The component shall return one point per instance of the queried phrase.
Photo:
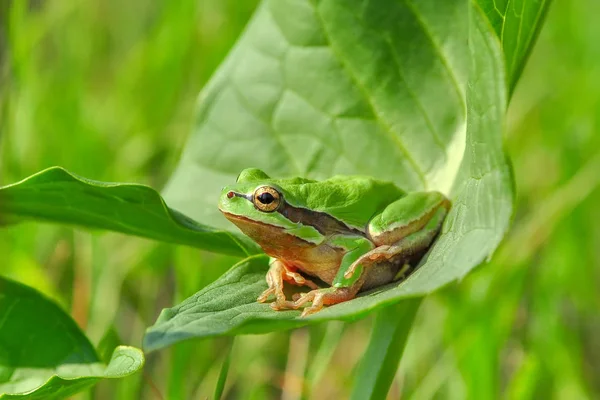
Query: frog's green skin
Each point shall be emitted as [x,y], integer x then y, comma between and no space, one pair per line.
[351,232]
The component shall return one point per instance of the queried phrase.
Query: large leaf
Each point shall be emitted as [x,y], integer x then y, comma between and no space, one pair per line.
[44,354]
[58,196]
[409,91]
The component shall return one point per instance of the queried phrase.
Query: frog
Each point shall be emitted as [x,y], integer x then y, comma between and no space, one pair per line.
[349,233]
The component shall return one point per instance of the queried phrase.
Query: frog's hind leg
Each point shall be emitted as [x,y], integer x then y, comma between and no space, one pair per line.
[412,213]
[277,274]
[404,250]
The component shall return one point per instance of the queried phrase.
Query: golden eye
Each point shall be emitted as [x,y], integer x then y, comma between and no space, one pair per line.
[266,199]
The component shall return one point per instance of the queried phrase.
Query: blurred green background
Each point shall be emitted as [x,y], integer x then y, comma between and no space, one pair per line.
[107,89]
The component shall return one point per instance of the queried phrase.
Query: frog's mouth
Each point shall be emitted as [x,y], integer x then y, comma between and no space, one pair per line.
[262,232]
[274,240]
[238,219]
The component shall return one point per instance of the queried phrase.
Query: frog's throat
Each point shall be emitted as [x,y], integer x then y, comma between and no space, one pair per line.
[274,240]
[248,226]
[321,260]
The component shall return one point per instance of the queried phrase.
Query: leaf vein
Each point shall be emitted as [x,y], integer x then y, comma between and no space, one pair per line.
[380,120]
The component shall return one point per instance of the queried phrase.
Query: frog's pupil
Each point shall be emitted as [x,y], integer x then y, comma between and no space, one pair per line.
[266,198]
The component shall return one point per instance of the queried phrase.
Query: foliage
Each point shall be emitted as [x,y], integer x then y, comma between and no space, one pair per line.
[44,354]
[531,318]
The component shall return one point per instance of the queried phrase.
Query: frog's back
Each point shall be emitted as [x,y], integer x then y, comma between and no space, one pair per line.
[351,199]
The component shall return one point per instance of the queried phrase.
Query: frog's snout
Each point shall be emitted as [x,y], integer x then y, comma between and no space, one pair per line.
[227,199]
[223,199]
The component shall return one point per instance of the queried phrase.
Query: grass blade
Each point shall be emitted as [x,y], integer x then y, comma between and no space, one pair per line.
[223,374]
[378,366]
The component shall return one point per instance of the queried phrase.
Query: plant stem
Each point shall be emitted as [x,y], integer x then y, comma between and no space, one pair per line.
[378,366]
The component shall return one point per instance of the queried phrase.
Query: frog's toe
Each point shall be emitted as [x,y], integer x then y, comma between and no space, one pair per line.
[352,269]
[265,295]
[311,310]
[321,297]
[316,297]
[298,280]
[279,305]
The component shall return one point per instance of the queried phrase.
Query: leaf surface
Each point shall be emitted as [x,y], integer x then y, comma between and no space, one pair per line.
[516,23]
[409,91]
[44,354]
[56,195]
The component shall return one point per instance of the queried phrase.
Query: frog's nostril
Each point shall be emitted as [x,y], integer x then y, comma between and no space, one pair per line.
[230,195]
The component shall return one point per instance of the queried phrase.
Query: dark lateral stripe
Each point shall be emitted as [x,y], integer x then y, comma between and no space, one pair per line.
[324,223]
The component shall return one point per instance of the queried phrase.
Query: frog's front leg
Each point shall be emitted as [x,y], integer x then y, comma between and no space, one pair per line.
[277,274]
[324,297]
[343,289]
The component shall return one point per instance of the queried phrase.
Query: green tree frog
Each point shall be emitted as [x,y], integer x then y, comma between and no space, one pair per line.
[351,232]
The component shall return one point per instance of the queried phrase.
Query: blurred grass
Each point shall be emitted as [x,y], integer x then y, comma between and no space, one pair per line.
[107,89]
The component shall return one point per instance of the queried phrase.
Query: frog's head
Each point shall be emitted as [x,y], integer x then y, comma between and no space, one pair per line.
[255,197]
[257,205]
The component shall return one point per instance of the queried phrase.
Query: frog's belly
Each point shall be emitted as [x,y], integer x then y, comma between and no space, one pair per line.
[324,261]
[318,260]
[321,261]
[380,274]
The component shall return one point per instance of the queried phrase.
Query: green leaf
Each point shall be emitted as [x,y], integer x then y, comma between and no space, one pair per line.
[44,354]
[228,306]
[56,195]
[516,23]
[410,91]
[216,309]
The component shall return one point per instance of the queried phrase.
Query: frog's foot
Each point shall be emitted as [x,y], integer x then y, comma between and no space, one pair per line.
[277,274]
[274,279]
[296,279]
[279,305]
[321,297]
[280,302]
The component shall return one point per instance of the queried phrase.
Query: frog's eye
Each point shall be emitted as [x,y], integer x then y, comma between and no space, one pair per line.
[266,199]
